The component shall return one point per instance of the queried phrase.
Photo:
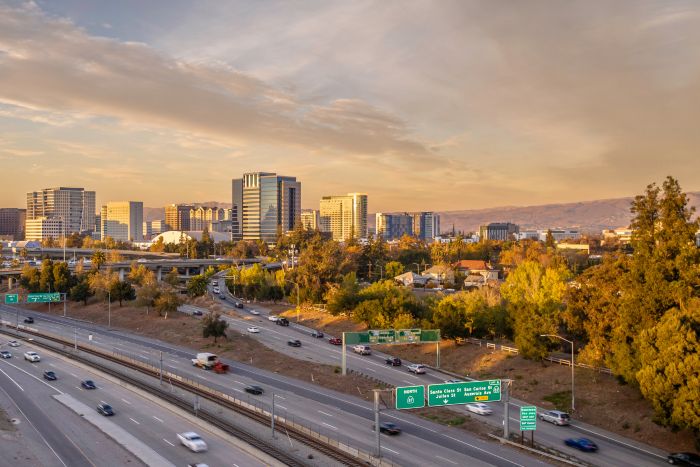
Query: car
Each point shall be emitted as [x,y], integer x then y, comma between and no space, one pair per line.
[273,318]
[29,320]
[105,409]
[254,312]
[238,305]
[5,354]
[450,381]
[318,334]
[88,384]
[362,349]
[335,341]
[294,343]
[257,390]
[479,408]
[684,458]
[32,356]
[393,361]
[197,313]
[50,375]
[216,290]
[555,416]
[13,344]
[215,283]
[388,428]
[583,444]
[200,464]
[192,441]
[254,329]
[416,368]
[282,321]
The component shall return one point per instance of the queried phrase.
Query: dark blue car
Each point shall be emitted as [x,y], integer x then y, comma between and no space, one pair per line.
[584,444]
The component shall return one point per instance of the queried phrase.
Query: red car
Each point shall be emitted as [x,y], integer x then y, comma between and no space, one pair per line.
[335,341]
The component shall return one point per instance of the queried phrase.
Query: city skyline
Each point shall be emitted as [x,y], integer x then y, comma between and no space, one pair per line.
[466,106]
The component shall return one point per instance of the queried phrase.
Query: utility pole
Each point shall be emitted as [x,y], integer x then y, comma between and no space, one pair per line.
[272,416]
[161,367]
[377,431]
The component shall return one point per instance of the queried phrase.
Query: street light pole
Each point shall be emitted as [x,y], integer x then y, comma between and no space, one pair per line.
[573,405]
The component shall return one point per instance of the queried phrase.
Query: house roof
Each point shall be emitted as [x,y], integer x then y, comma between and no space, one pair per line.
[439,269]
[472,264]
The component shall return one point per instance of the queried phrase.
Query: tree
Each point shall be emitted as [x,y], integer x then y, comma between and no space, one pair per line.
[158,245]
[98,259]
[30,278]
[172,278]
[455,314]
[62,278]
[214,326]
[197,286]
[167,302]
[139,274]
[669,375]
[147,294]
[393,269]
[121,290]
[549,241]
[344,296]
[534,296]
[81,292]
[46,276]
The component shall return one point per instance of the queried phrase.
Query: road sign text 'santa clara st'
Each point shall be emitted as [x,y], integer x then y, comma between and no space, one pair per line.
[464,393]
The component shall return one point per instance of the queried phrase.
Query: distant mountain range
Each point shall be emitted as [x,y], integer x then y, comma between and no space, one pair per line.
[586,216]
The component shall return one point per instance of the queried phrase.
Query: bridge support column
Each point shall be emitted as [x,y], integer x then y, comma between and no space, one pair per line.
[121,274]
[10,282]
[159,274]
[187,271]
[201,270]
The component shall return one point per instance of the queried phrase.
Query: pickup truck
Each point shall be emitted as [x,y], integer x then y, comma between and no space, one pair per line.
[205,360]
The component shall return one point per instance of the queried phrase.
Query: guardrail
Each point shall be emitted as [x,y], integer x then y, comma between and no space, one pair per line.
[334,448]
[514,350]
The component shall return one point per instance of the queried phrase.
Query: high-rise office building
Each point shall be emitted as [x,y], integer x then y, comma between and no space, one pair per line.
[264,204]
[177,216]
[204,216]
[42,228]
[391,226]
[153,228]
[344,217]
[426,225]
[498,231]
[123,221]
[12,222]
[75,206]
[310,219]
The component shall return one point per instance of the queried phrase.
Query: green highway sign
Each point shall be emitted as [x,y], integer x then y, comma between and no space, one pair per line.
[528,418]
[408,336]
[382,336]
[11,298]
[43,297]
[464,393]
[410,397]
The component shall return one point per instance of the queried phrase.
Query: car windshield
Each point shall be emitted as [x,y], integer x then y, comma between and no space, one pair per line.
[88,382]
[106,407]
[195,438]
[564,416]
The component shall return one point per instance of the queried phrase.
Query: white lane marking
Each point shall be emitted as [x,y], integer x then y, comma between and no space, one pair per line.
[280,397]
[281,406]
[330,426]
[52,365]
[78,387]
[170,366]
[11,379]
[371,369]
[324,413]
[143,356]
[236,381]
[407,382]
[74,375]
[124,400]
[238,390]
[29,374]
[32,425]
[445,459]
[134,421]
[161,421]
[168,442]
[391,450]
[484,451]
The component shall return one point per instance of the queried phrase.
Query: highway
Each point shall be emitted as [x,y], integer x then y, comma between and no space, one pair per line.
[614,449]
[77,443]
[334,414]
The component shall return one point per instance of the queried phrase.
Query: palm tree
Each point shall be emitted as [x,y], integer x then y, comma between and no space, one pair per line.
[98,259]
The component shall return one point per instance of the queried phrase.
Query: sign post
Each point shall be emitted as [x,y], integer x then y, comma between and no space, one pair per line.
[410,397]
[464,393]
[11,298]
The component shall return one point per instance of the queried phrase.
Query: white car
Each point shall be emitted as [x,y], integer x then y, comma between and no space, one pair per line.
[254,329]
[450,381]
[479,408]
[273,318]
[417,369]
[32,356]
[13,344]
[254,312]
[216,290]
[192,441]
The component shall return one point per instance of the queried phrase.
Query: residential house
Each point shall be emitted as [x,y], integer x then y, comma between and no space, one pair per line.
[411,279]
[441,274]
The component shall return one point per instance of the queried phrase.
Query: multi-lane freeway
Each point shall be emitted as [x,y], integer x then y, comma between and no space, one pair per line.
[343,416]
[73,433]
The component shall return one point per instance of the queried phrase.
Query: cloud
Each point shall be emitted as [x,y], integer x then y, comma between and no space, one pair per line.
[52,65]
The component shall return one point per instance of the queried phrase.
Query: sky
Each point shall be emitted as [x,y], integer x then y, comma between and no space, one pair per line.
[424,105]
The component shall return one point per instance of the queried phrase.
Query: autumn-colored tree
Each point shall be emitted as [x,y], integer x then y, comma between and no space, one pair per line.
[98,259]
[393,269]
[214,326]
[167,302]
[172,278]
[669,358]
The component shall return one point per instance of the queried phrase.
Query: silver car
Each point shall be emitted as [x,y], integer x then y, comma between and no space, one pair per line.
[556,416]
[417,369]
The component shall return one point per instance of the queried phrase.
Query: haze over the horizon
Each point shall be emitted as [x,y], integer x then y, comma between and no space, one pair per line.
[440,106]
